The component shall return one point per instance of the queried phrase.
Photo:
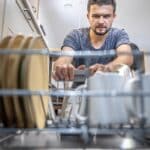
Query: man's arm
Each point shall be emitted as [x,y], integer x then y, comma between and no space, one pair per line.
[64,59]
[124,58]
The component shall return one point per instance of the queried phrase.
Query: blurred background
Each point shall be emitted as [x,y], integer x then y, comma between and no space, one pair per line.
[59,17]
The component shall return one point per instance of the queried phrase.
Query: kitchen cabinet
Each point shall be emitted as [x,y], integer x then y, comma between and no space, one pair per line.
[35,7]
[17,19]
[2,6]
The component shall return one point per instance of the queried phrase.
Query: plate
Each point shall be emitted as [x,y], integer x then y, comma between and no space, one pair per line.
[34,76]
[11,103]
[3,45]
[28,117]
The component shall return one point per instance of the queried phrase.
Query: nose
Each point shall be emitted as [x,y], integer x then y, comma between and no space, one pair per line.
[101,19]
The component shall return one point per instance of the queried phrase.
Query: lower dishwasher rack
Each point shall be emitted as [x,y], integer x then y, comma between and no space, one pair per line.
[61,133]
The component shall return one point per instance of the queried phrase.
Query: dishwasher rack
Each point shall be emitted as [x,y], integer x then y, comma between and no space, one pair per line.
[64,127]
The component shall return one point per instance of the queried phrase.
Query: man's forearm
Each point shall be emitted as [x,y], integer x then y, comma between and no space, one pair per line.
[124,57]
[128,60]
[62,61]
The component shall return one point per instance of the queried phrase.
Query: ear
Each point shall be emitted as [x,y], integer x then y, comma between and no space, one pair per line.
[115,15]
[87,15]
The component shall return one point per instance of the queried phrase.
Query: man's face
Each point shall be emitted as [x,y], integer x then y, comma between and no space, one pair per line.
[101,18]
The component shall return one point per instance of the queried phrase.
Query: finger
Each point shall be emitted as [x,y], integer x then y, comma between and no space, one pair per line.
[59,72]
[71,72]
[93,69]
[54,76]
[65,73]
[106,69]
[81,67]
[100,67]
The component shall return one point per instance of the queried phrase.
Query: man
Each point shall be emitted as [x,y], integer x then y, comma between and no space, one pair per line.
[99,36]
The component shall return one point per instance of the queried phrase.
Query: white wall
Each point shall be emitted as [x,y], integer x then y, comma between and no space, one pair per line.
[58,18]
[15,21]
[1,16]
[134,16]
[61,16]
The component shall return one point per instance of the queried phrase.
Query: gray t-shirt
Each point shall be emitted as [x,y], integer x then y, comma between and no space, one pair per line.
[79,40]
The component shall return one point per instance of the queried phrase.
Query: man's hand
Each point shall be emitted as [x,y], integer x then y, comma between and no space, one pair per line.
[64,72]
[98,67]
[67,71]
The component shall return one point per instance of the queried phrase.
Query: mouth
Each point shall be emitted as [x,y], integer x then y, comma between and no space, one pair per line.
[100,27]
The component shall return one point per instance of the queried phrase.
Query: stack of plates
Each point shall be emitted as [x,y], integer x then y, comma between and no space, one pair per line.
[24,72]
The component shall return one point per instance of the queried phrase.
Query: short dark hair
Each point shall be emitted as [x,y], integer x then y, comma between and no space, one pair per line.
[101,2]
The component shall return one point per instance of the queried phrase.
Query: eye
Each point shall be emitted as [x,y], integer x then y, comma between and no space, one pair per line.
[95,16]
[107,16]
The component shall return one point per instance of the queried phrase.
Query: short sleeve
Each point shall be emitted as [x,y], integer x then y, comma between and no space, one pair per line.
[122,38]
[72,40]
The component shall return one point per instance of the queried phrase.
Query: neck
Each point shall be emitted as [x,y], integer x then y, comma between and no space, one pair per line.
[97,40]
[95,37]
